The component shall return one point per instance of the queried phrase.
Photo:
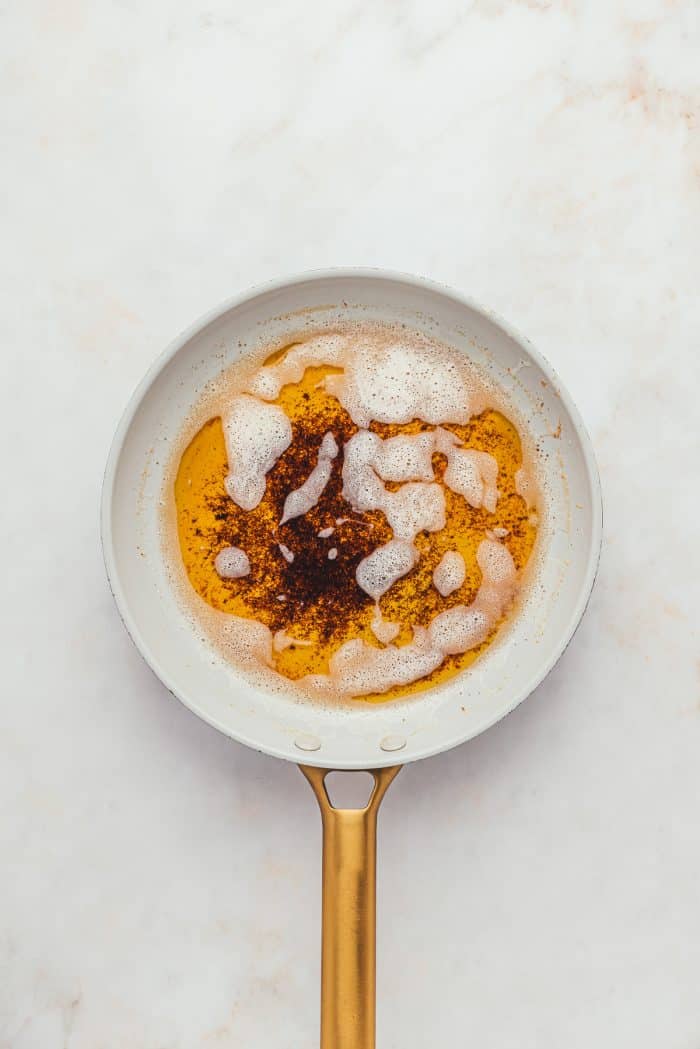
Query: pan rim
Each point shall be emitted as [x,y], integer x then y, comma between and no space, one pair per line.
[339,273]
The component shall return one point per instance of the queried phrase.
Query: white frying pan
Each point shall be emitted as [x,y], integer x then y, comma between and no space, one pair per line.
[370,738]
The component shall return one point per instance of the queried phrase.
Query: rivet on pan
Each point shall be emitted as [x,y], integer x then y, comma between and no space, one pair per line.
[393,743]
[304,742]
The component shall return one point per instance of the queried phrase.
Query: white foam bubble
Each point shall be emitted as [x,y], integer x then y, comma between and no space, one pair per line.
[445,440]
[382,629]
[304,498]
[322,349]
[362,488]
[415,507]
[450,573]
[232,563]
[282,640]
[369,461]
[406,457]
[333,553]
[248,639]
[325,533]
[287,554]
[496,563]
[329,447]
[458,629]
[525,486]
[499,578]
[473,475]
[256,434]
[393,381]
[378,572]
[358,668]
[385,377]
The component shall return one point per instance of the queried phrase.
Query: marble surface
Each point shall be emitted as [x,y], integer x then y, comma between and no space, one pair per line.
[159,884]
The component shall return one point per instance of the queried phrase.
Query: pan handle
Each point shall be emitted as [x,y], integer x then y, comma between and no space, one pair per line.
[349,911]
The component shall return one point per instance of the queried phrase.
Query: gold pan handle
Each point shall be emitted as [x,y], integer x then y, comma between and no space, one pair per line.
[348,953]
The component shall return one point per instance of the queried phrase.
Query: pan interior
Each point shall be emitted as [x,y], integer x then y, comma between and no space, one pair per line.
[355,735]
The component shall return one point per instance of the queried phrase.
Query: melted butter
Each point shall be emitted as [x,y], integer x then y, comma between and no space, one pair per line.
[321,600]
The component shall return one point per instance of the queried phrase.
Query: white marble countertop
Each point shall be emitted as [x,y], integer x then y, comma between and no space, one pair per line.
[160,885]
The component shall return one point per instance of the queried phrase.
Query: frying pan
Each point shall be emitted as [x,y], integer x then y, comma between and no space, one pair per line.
[376,738]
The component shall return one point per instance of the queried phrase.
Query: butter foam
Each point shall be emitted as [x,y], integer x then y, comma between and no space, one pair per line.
[358,668]
[382,629]
[387,380]
[232,563]
[450,573]
[369,461]
[304,498]
[256,434]
[394,382]
[323,349]
[473,475]
[378,572]
[412,508]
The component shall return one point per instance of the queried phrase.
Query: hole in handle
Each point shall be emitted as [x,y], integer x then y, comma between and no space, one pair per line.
[349,790]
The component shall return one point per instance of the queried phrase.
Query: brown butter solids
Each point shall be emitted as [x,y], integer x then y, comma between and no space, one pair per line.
[322,601]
